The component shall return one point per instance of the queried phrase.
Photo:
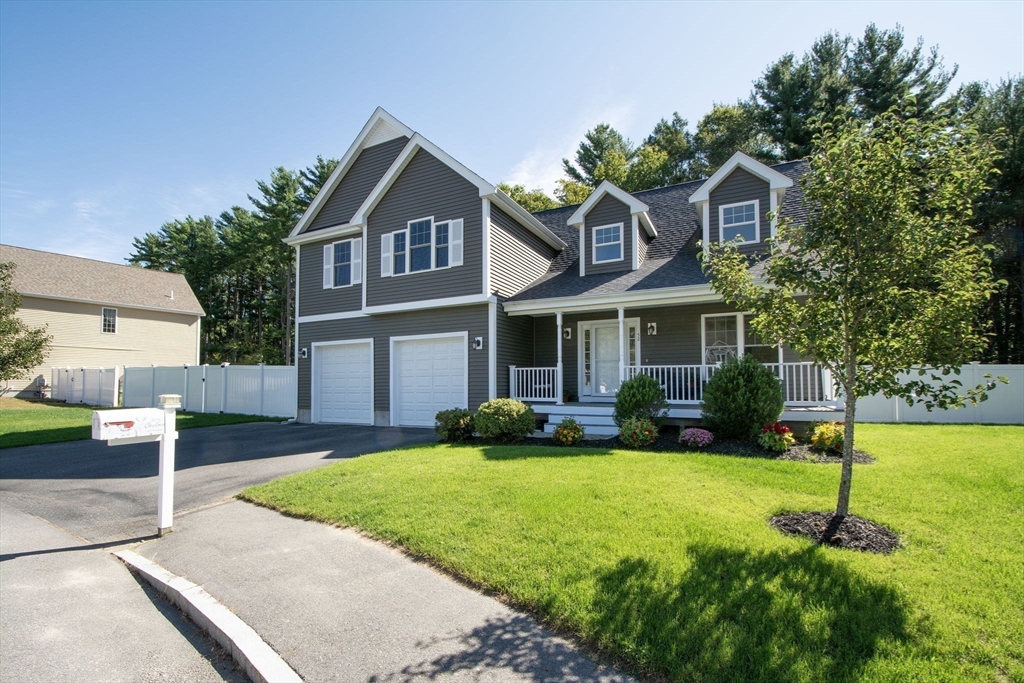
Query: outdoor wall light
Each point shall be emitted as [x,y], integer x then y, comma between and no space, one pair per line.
[478,343]
[652,329]
[303,352]
[567,333]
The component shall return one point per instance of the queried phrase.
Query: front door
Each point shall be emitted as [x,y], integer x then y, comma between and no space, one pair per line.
[599,356]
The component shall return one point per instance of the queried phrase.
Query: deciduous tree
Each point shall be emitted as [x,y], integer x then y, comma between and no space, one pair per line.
[885,276]
[22,348]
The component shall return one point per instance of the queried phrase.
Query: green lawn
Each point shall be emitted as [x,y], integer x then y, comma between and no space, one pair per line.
[666,561]
[26,423]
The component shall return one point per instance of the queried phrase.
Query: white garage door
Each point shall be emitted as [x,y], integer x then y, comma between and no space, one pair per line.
[429,375]
[344,383]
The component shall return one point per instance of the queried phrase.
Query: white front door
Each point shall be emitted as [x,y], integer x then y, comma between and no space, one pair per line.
[429,375]
[599,356]
[343,382]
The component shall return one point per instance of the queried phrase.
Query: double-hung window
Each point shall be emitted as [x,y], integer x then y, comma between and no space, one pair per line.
[343,263]
[739,221]
[109,321]
[607,241]
[423,245]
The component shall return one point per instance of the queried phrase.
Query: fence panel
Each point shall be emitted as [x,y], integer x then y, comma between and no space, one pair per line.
[93,386]
[246,389]
[1005,404]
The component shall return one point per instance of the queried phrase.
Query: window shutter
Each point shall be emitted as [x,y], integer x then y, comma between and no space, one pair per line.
[328,266]
[455,243]
[357,260]
[385,255]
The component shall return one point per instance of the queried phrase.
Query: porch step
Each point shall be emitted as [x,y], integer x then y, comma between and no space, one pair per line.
[596,420]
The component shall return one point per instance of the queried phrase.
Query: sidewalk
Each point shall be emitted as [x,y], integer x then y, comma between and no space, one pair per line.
[339,607]
[72,612]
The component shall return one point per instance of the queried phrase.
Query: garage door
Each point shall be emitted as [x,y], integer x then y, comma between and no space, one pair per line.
[429,375]
[344,383]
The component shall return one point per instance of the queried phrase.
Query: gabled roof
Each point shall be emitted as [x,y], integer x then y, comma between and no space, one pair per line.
[380,127]
[671,259]
[636,207]
[486,189]
[775,180]
[70,278]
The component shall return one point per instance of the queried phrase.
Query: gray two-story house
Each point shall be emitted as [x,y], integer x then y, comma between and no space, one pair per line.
[422,287]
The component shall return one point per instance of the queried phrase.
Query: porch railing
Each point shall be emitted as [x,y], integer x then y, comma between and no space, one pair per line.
[533,384]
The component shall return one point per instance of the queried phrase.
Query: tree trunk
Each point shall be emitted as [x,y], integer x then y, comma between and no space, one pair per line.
[843,505]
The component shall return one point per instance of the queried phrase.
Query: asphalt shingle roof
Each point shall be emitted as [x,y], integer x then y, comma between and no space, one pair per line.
[671,257]
[45,274]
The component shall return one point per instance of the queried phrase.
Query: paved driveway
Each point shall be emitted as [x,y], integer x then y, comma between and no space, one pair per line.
[107,493]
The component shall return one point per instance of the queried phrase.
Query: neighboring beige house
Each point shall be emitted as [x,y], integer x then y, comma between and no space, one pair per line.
[103,314]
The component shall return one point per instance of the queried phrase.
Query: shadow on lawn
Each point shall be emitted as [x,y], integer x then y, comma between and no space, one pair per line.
[521,452]
[737,615]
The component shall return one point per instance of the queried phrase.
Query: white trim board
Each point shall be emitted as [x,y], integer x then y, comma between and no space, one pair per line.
[634,299]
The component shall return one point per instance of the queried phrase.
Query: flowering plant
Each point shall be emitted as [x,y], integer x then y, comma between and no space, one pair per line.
[696,438]
[568,432]
[776,437]
[637,432]
[827,436]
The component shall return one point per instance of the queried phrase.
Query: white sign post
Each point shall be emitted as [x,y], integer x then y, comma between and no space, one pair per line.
[139,425]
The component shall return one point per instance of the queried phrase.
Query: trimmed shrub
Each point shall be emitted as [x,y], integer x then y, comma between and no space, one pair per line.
[637,432]
[504,419]
[695,437]
[454,425]
[776,437]
[827,436]
[641,397]
[741,396]
[569,432]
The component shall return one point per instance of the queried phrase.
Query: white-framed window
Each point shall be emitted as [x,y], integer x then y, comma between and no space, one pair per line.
[606,241]
[739,221]
[423,245]
[108,317]
[343,263]
[729,335]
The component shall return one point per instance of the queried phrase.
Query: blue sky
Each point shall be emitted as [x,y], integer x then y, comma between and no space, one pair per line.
[116,117]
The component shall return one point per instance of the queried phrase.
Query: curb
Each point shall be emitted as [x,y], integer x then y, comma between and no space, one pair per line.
[251,652]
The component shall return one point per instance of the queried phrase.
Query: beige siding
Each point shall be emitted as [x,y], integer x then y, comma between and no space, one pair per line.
[142,337]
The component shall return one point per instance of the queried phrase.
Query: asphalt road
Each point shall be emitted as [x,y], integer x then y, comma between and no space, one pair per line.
[107,494]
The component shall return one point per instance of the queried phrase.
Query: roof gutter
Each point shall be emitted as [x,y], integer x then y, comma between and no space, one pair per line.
[647,298]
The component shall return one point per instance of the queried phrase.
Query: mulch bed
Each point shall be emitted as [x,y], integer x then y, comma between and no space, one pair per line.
[668,441]
[851,532]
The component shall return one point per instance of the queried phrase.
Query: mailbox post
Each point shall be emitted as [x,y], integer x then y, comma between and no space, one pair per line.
[139,425]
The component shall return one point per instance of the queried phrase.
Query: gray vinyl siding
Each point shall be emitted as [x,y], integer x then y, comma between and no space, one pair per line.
[607,212]
[741,186]
[426,187]
[517,258]
[515,346]
[471,319]
[366,171]
[642,245]
[313,298]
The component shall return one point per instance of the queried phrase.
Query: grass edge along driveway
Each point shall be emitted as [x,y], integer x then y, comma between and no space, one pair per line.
[666,561]
[28,423]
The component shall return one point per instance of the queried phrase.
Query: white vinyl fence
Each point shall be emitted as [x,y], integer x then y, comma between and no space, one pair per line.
[249,389]
[1005,404]
[95,386]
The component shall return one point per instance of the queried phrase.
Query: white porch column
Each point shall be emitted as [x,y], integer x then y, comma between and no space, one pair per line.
[622,344]
[558,365]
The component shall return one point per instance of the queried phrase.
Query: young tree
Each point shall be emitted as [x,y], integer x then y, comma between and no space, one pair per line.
[22,348]
[885,276]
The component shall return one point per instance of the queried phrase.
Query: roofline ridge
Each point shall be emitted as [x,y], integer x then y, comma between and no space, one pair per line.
[94,260]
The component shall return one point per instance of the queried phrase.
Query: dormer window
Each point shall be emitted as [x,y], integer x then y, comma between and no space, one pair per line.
[739,221]
[607,241]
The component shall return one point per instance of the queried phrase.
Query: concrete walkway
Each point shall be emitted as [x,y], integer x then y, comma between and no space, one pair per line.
[339,607]
[69,611]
